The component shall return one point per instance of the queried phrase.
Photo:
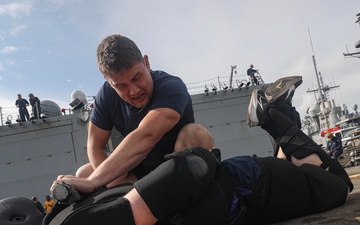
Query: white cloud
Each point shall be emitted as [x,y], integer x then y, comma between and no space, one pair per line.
[2,35]
[8,49]
[68,80]
[6,63]
[10,62]
[63,2]
[17,30]
[16,9]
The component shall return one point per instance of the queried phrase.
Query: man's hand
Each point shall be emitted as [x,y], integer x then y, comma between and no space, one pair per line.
[83,185]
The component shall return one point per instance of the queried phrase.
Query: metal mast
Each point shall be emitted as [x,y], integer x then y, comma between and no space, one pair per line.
[357,45]
[318,81]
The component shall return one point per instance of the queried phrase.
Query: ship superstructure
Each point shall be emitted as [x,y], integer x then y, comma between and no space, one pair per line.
[325,116]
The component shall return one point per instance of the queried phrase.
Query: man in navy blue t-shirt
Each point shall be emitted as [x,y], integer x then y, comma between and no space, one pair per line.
[22,103]
[147,107]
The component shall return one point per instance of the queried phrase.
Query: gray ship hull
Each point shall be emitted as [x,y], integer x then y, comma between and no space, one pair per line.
[34,154]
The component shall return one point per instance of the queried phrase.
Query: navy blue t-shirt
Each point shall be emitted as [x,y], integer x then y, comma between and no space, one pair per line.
[112,111]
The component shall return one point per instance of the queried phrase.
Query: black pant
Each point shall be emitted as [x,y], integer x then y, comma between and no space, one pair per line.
[24,113]
[286,191]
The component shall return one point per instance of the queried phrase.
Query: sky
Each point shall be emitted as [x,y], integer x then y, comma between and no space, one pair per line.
[48,47]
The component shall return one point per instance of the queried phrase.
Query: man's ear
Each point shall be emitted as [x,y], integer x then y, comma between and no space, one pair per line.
[146,60]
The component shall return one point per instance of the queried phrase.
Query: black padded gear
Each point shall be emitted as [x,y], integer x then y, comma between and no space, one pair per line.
[205,154]
[19,210]
[187,173]
[294,116]
[105,207]
[295,143]
[292,140]
[114,212]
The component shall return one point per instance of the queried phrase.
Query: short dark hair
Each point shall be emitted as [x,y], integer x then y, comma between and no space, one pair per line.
[116,53]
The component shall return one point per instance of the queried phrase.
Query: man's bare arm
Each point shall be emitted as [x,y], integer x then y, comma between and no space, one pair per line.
[96,144]
[135,146]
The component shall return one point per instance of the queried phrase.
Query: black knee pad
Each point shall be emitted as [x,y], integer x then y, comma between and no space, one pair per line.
[178,182]
[211,159]
[19,210]
[105,207]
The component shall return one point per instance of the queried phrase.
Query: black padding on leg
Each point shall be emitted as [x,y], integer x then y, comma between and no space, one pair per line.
[178,182]
[205,154]
[295,116]
[210,209]
[113,212]
[19,210]
[295,143]
[105,207]
[277,123]
[292,140]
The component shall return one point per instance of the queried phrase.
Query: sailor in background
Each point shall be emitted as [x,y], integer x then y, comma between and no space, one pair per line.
[38,204]
[251,73]
[35,104]
[48,204]
[334,146]
[22,104]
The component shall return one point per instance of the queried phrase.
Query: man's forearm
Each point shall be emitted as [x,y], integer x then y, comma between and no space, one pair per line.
[129,153]
[96,157]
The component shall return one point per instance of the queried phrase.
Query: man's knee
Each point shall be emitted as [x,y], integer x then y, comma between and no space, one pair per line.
[186,173]
[193,135]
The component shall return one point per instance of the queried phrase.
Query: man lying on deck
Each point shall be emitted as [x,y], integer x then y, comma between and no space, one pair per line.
[193,187]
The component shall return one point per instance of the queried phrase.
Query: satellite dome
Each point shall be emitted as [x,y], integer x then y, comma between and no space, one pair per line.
[78,95]
[50,108]
[313,110]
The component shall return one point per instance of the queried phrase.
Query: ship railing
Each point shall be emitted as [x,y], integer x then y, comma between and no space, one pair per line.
[10,115]
[220,83]
[350,156]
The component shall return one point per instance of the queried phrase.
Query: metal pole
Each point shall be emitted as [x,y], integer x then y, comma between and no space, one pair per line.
[318,81]
[37,110]
[233,69]
[1,116]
